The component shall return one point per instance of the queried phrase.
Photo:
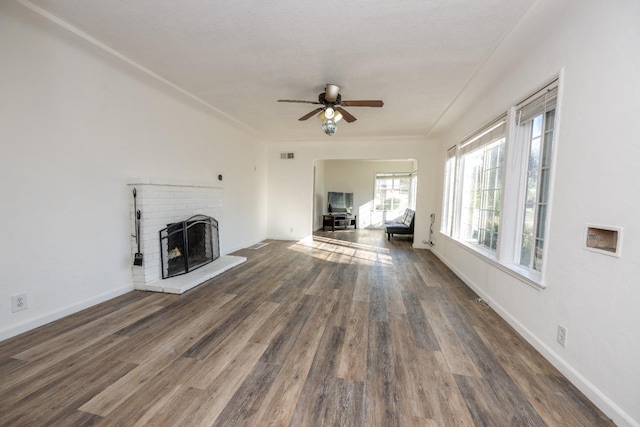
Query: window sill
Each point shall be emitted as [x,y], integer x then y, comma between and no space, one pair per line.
[522,274]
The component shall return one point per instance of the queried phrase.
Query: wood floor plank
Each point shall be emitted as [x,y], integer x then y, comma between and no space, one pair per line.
[319,284]
[131,410]
[482,399]
[423,334]
[380,387]
[276,323]
[454,353]
[413,397]
[316,404]
[346,328]
[50,331]
[281,344]
[105,402]
[538,380]
[54,400]
[347,403]
[444,397]
[352,363]
[224,388]
[344,297]
[280,402]
[395,303]
[25,382]
[173,407]
[295,284]
[174,337]
[264,265]
[500,383]
[425,273]
[155,350]
[178,309]
[236,313]
[206,371]
[64,345]
[363,286]
[10,367]
[245,403]
[74,418]
[378,309]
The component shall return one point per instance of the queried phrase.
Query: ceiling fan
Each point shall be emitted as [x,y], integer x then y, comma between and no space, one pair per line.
[331,110]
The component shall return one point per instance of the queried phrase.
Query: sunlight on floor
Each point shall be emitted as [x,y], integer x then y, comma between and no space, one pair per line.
[342,252]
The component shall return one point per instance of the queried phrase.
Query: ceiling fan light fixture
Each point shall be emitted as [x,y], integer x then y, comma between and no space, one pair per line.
[329,127]
[337,116]
[329,112]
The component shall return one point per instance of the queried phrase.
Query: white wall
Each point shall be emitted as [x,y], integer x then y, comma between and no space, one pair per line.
[290,183]
[76,124]
[319,191]
[358,177]
[596,297]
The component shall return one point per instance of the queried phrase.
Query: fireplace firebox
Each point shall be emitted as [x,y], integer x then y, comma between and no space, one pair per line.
[188,245]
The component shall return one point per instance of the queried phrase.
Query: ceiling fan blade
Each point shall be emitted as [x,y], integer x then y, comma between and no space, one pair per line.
[303,102]
[371,103]
[331,92]
[306,116]
[346,115]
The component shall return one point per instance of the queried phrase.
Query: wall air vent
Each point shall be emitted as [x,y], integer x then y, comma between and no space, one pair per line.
[287,156]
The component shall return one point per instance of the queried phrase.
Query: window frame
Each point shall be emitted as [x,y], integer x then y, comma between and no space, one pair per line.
[523,143]
[514,191]
[448,191]
[483,139]
[411,176]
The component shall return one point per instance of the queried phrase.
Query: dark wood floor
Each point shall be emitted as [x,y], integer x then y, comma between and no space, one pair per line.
[347,330]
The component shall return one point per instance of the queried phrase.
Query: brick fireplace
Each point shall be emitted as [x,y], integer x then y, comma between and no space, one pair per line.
[162,203]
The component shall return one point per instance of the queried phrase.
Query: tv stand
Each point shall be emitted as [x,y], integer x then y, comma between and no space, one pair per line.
[334,220]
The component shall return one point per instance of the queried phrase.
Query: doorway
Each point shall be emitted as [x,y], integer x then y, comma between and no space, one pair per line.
[381,188]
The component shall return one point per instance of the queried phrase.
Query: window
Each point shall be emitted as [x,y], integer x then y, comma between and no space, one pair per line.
[481,166]
[535,130]
[499,203]
[447,198]
[392,191]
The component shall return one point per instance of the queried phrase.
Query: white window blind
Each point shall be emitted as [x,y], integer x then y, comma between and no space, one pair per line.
[541,102]
[488,135]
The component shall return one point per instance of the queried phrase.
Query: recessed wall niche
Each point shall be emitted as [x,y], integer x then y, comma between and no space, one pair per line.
[603,239]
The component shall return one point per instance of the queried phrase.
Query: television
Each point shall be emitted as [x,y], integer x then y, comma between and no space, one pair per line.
[339,202]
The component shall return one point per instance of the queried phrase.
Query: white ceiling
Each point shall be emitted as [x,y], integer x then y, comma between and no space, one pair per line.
[240,56]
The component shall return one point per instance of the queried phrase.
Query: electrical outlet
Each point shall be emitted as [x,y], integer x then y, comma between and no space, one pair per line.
[18,302]
[562,335]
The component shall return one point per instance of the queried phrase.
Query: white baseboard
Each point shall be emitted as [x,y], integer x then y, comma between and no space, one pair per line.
[14,330]
[287,238]
[606,405]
